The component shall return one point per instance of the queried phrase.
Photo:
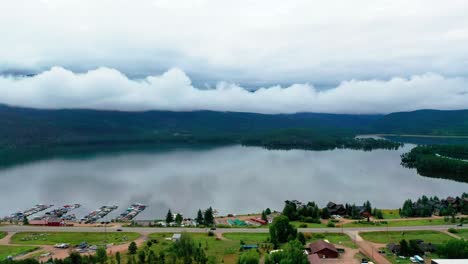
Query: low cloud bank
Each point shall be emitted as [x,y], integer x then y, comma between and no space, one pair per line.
[109,89]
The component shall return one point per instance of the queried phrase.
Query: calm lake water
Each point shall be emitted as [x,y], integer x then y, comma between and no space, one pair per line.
[232,179]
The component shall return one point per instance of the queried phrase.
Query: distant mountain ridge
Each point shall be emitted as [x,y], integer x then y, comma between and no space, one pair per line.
[26,126]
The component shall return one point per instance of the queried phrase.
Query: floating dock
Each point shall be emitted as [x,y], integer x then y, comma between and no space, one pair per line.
[94,216]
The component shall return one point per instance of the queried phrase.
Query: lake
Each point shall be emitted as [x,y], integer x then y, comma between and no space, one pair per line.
[231,179]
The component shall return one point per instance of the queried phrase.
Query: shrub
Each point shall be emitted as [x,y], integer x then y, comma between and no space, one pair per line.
[303,225]
[330,224]
[210,233]
[311,220]
[453,230]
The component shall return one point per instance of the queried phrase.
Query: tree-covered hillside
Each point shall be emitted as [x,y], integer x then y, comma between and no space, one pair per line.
[424,122]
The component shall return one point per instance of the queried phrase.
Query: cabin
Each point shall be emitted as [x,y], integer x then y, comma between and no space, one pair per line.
[323,249]
[336,209]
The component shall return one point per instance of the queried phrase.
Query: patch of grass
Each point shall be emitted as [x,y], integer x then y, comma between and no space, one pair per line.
[434,237]
[226,250]
[2,234]
[406,222]
[334,238]
[74,238]
[298,224]
[463,233]
[390,213]
[6,251]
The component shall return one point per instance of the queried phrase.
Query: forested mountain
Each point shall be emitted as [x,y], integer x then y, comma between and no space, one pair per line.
[424,122]
[25,126]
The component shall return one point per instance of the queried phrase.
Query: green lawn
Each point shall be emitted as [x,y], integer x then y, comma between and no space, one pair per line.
[396,236]
[226,250]
[406,222]
[2,234]
[6,251]
[390,213]
[334,238]
[463,233]
[74,238]
[298,224]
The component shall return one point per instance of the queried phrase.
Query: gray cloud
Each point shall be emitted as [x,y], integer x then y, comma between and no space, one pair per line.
[251,42]
[109,89]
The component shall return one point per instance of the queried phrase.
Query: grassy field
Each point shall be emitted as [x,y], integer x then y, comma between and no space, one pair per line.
[2,234]
[225,250]
[334,238]
[406,222]
[386,237]
[463,233]
[6,251]
[74,238]
[391,213]
[298,224]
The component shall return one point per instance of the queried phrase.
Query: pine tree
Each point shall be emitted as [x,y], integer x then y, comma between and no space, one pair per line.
[169,217]
[209,218]
[132,248]
[200,220]
[179,219]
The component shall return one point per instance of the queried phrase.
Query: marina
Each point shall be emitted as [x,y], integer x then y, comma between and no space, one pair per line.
[100,213]
[131,212]
[19,216]
[61,213]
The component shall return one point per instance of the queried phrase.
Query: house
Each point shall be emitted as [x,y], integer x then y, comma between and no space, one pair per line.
[323,249]
[314,259]
[176,237]
[394,248]
[336,209]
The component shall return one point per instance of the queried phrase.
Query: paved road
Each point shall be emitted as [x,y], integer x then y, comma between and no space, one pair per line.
[146,230]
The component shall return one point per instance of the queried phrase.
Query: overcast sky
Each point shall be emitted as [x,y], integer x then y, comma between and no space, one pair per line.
[361,56]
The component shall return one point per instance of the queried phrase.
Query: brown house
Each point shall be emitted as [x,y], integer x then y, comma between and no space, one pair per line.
[314,259]
[323,249]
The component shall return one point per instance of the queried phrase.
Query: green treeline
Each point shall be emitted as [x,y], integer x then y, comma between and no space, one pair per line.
[439,161]
[316,140]
[428,206]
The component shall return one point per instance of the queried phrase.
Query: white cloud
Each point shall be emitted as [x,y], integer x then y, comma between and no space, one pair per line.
[106,88]
[261,41]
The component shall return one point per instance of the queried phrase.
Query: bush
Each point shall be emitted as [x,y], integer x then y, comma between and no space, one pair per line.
[453,230]
[210,233]
[330,224]
[311,220]
[303,225]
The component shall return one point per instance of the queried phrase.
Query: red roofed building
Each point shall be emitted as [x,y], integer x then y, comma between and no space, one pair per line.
[314,259]
[323,249]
